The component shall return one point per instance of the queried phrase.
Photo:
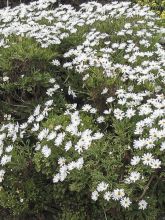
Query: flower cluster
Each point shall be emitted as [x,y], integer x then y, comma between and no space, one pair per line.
[120,66]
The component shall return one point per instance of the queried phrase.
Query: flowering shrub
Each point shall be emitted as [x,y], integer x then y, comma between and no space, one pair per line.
[157,5]
[82,131]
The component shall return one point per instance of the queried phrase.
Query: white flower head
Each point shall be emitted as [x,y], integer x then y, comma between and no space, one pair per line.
[5,159]
[102,186]
[142,204]
[135,160]
[5,79]
[56,63]
[118,194]
[107,195]
[125,202]
[95,195]
[105,90]
[46,151]
[134,176]
[162,147]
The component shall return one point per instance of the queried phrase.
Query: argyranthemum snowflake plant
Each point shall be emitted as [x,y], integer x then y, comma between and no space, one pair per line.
[82,131]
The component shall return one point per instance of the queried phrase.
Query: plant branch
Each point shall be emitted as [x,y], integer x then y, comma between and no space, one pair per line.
[105,214]
[146,187]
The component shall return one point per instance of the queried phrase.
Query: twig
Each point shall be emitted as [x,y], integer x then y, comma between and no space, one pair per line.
[105,214]
[146,187]
[66,79]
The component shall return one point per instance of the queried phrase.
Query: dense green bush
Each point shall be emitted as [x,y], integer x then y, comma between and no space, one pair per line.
[157,5]
[82,131]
